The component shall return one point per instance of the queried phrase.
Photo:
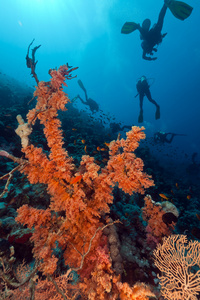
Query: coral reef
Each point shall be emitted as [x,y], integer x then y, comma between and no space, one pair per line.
[153,214]
[89,230]
[178,260]
[79,195]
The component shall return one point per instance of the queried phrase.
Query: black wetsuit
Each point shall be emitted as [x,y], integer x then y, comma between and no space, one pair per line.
[152,37]
[143,90]
[161,137]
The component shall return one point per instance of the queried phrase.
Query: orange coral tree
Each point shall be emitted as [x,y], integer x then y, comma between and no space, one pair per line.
[152,213]
[76,206]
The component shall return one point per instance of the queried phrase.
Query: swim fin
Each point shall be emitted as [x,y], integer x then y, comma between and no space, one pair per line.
[157,116]
[129,27]
[140,118]
[81,85]
[179,9]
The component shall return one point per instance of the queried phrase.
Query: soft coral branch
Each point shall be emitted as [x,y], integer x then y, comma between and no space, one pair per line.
[77,207]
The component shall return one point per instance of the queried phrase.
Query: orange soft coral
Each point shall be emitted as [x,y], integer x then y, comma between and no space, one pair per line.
[124,167]
[100,285]
[139,291]
[152,213]
[76,206]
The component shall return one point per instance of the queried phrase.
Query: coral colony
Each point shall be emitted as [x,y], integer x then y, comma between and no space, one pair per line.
[75,242]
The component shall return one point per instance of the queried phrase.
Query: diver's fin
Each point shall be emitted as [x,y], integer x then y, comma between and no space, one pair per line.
[129,27]
[81,85]
[157,116]
[179,9]
[140,118]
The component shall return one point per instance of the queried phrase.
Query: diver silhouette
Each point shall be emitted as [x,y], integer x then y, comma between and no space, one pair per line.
[161,137]
[94,107]
[153,37]
[143,90]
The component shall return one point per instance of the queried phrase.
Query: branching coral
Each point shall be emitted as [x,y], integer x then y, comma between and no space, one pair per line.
[179,262]
[152,213]
[72,219]
[124,167]
[139,291]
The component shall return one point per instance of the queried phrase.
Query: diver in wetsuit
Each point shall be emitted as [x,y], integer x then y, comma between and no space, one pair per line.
[143,90]
[161,137]
[153,37]
[93,105]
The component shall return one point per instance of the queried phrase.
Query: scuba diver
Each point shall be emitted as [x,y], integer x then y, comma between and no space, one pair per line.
[143,90]
[161,137]
[153,37]
[94,107]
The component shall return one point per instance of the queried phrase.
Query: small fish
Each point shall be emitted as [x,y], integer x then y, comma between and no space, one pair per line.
[97,162]
[95,152]
[177,186]
[83,141]
[104,149]
[163,196]
[104,159]
[98,148]
[85,148]
[74,129]
[172,192]
[76,179]
[198,216]
[8,115]
[11,202]
[189,197]
[74,142]
[107,144]
[9,127]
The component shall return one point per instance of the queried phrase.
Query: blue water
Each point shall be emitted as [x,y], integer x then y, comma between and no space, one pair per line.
[86,33]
